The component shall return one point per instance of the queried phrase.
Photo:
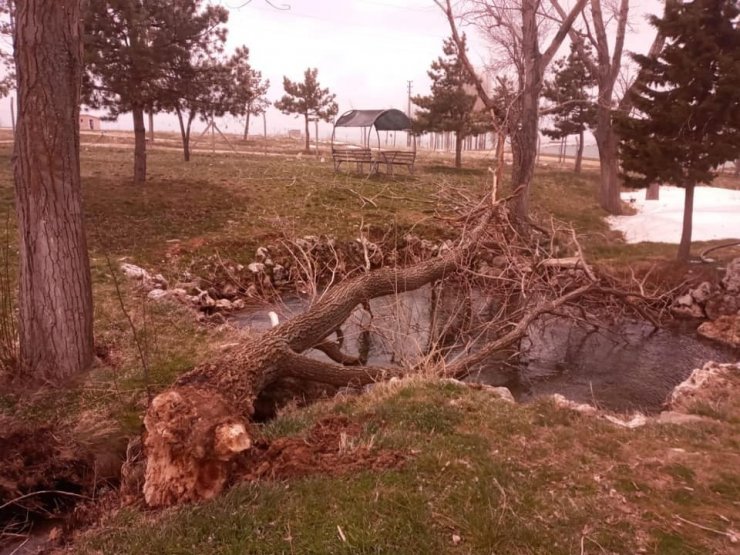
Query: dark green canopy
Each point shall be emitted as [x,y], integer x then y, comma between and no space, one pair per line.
[382,120]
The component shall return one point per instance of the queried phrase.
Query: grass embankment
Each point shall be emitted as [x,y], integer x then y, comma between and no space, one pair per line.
[503,478]
[482,476]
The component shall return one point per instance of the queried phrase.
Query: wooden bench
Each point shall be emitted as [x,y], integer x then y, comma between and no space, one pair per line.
[359,156]
[396,158]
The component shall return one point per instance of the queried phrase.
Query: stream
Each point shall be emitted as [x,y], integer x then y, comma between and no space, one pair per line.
[626,367]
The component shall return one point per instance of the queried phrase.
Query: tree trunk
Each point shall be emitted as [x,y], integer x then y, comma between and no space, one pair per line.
[151,125]
[458,149]
[737,167]
[606,141]
[55,298]
[524,139]
[308,144]
[579,153]
[246,127]
[185,133]
[653,192]
[139,145]
[684,249]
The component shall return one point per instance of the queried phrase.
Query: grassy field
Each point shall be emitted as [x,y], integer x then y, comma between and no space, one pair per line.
[480,476]
[498,478]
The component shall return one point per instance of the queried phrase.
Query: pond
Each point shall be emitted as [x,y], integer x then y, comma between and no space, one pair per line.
[628,366]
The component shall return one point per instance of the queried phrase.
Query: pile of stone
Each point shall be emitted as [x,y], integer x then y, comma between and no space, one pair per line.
[719,304]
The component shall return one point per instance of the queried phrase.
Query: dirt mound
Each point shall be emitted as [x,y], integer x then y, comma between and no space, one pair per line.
[333,446]
[42,475]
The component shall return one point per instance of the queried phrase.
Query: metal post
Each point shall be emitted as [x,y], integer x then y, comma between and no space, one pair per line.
[264,127]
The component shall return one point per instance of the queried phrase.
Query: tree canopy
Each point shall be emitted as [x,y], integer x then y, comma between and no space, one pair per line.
[452,104]
[686,119]
[569,91]
[308,99]
[131,46]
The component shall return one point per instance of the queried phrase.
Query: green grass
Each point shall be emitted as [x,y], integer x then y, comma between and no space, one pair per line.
[504,478]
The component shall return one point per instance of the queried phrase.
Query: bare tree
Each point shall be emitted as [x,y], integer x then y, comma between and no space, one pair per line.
[515,27]
[596,29]
[55,300]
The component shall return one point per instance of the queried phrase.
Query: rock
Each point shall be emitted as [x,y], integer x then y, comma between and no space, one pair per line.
[160,282]
[684,300]
[699,385]
[731,281]
[205,300]
[636,421]
[278,273]
[238,304]
[502,393]
[725,330]
[224,304]
[721,305]
[135,272]
[692,312]
[261,254]
[572,405]
[269,263]
[702,293]
[229,291]
[157,294]
[256,267]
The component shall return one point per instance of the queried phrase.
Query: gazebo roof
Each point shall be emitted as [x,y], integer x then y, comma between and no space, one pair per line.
[383,120]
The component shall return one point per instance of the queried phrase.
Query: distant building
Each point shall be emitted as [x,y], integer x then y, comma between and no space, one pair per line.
[295,134]
[89,123]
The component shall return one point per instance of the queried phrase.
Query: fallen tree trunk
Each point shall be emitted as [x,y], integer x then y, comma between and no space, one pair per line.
[195,429]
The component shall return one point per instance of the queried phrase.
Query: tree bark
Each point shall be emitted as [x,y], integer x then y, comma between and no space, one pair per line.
[458,149]
[579,153]
[653,192]
[185,132]
[308,144]
[55,298]
[246,127]
[737,167]
[151,126]
[684,249]
[606,141]
[139,144]
[524,138]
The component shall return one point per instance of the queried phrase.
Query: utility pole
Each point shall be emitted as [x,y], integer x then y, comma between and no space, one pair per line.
[408,112]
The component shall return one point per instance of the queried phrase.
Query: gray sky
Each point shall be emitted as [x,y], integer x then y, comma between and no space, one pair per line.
[365,51]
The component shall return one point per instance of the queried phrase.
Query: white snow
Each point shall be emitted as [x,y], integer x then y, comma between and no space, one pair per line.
[716,215]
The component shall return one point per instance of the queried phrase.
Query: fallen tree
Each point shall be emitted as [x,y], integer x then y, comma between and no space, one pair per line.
[197,428]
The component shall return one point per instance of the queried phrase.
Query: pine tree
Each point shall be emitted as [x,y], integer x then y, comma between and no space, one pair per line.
[451,106]
[248,89]
[307,99]
[131,45]
[569,90]
[687,103]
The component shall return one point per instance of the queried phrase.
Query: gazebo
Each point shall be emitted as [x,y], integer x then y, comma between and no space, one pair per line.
[367,120]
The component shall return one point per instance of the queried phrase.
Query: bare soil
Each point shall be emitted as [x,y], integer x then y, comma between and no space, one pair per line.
[330,448]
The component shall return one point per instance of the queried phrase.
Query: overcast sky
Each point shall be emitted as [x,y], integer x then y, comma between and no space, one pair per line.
[365,51]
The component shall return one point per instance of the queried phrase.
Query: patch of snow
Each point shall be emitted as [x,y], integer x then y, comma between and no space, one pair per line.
[716,215]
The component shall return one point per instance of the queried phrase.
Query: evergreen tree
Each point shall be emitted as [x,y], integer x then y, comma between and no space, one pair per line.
[451,106]
[131,45]
[307,99]
[248,89]
[573,109]
[687,103]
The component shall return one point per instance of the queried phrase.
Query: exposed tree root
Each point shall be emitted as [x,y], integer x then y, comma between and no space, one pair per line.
[195,429]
